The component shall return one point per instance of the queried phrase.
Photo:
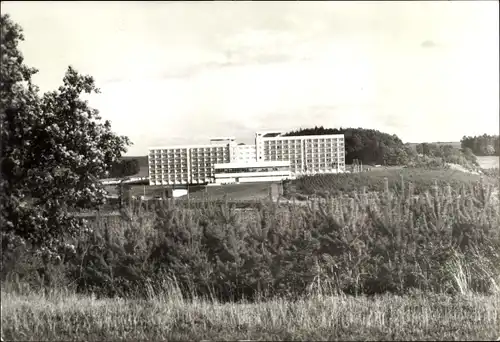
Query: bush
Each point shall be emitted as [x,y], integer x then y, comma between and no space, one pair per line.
[445,240]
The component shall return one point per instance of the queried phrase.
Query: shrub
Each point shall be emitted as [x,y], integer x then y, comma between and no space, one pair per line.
[444,240]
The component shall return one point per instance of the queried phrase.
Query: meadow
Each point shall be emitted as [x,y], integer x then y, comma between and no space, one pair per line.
[415,258]
[489,162]
[60,316]
[422,180]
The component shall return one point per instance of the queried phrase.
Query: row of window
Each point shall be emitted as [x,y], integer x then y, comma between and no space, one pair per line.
[298,143]
[184,154]
[299,148]
[194,160]
[314,153]
[228,176]
[192,149]
[167,153]
[307,139]
[252,169]
[299,160]
[185,160]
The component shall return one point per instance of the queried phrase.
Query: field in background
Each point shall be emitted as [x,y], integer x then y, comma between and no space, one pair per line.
[422,180]
[35,317]
[236,192]
[372,180]
[431,261]
[489,162]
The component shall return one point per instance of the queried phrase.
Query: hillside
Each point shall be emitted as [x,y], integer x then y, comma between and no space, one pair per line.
[421,178]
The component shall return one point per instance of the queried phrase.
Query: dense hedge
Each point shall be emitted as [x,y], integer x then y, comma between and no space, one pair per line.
[446,241]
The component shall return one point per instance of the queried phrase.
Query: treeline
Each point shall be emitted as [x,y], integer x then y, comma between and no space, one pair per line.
[124,168]
[448,154]
[367,145]
[482,145]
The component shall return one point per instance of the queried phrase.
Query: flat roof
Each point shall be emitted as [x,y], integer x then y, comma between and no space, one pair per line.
[303,137]
[222,138]
[253,164]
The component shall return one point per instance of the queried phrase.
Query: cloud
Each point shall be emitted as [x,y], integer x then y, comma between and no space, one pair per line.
[428,44]
[245,48]
[185,71]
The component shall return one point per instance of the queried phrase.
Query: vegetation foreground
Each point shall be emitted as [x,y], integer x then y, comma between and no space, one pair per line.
[60,316]
[387,265]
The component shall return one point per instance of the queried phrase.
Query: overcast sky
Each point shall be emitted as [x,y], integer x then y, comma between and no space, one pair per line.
[181,72]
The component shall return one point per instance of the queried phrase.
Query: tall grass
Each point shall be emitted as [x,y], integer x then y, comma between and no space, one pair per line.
[443,240]
[63,316]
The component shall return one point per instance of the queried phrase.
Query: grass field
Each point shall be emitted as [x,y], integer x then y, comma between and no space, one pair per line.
[372,180]
[422,180]
[65,316]
[236,192]
[489,162]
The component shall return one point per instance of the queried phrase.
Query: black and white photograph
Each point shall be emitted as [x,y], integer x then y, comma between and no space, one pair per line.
[250,171]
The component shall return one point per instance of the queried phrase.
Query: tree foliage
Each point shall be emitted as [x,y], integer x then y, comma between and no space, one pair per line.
[482,145]
[448,154]
[54,148]
[367,145]
[124,168]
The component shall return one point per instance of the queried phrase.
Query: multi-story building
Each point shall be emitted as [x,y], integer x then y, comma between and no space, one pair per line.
[242,153]
[185,164]
[195,164]
[308,154]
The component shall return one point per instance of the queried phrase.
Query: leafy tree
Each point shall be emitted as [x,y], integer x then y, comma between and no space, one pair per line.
[420,149]
[482,145]
[54,147]
[124,168]
[396,156]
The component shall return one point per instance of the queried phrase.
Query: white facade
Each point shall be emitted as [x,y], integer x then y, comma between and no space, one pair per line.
[245,172]
[185,164]
[308,154]
[194,164]
[243,153]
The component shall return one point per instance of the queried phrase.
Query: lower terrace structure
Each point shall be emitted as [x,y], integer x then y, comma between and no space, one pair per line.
[252,172]
[195,164]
